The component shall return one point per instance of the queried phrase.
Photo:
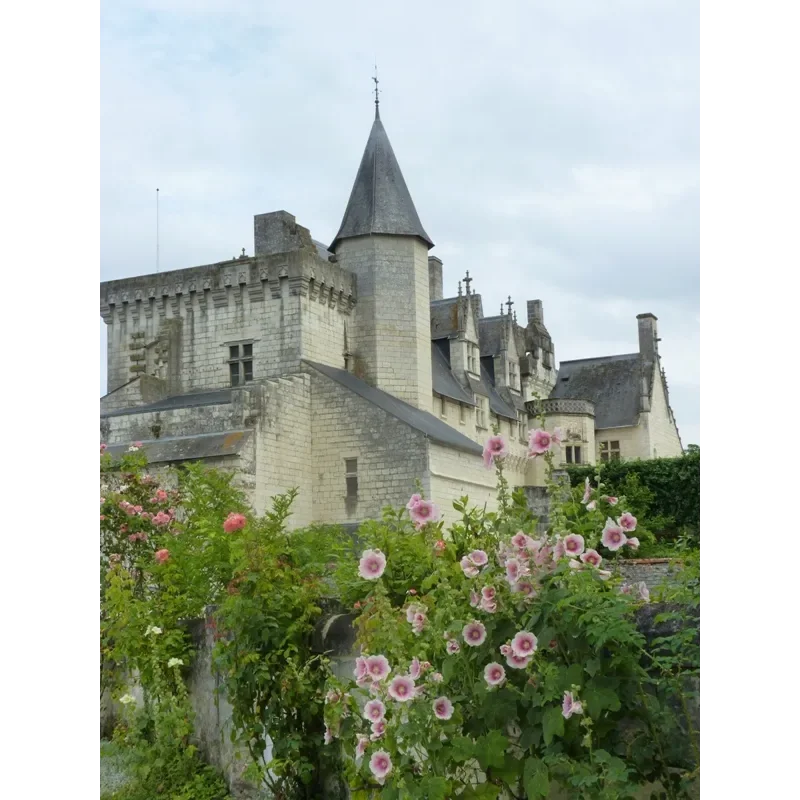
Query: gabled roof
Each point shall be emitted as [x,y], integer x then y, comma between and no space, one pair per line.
[380,201]
[423,421]
[612,383]
[444,317]
[445,382]
[496,402]
[492,335]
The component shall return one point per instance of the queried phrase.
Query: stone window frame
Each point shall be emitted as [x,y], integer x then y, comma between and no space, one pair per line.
[606,448]
[573,450]
[442,406]
[240,361]
[351,477]
[462,414]
[481,412]
[473,359]
[522,423]
[512,374]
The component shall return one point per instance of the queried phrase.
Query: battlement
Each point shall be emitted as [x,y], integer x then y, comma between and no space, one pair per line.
[308,275]
[568,406]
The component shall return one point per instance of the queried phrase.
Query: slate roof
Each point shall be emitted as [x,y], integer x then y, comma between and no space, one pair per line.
[490,333]
[496,402]
[191,400]
[322,250]
[380,201]
[612,383]
[188,448]
[445,381]
[444,317]
[423,421]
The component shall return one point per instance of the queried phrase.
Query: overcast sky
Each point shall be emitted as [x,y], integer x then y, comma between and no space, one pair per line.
[551,149]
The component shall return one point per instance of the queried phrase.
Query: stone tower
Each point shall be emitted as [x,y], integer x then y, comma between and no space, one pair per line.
[381,240]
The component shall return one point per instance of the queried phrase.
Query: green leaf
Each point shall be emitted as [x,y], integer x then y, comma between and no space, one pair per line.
[389,793]
[591,666]
[491,749]
[598,698]
[462,749]
[434,788]
[552,724]
[536,778]
[447,669]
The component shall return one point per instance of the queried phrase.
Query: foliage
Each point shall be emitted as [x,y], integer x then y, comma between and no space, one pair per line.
[517,738]
[673,485]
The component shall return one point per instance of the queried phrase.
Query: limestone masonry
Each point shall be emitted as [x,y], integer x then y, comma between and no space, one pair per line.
[343,370]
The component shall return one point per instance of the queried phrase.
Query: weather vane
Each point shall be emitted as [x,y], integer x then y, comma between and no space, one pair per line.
[375,78]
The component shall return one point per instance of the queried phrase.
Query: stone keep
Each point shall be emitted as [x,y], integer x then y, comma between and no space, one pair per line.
[344,371]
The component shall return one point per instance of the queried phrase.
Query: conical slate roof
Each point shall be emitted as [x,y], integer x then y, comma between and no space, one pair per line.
[380,201]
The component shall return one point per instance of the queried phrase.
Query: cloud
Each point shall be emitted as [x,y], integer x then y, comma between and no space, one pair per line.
[551,149]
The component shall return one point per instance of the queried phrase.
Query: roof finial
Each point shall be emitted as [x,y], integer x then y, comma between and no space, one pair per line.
[468,281]
[459,288]
[375,78]
[509,304]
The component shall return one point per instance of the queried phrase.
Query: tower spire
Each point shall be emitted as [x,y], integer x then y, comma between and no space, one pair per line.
[377,101]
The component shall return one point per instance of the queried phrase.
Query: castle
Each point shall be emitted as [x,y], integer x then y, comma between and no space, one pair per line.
[344,371]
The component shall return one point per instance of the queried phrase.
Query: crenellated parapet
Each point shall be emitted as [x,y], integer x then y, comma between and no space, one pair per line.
[568,406]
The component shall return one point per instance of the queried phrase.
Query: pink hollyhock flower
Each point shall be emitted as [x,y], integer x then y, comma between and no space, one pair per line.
[378,729]
[470,570]
[474,599]
[524,644]
[375,688]
[613,536]
[505,649]
[494,674]
[587,491]
[488,592]
[575,565]
[419,622]
[452,646]
[161,496]
[134,537]
[123,528]
[440,546]
[612,501]
[543,555]
[412,611]
[378,667]
[374,711]
[332,697]
[526,588]
[361,745]
[411,592]
[489,606]
[644,592]
[437,677]
[626,589]
[102,517]
[591,506]
[103,447]
[570,706]
[328,735]
[146,515]
[517,662]
[592,557]
[474,634]
[137,509]
[380,765]
[401,688]
[574,545]
[558,436]
[161,556]
[513,570]
[442,708]
[412,503]
[603,574]
[633,543]
[425,665]
[162,519]
[539,442]
[371,565]
[137,444]
[128,509]
[415,668]
[234,522]
[627,522]
[495,447]
[361,668]
[423,513]
[478,558]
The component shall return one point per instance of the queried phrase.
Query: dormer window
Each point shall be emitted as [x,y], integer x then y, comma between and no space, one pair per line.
[512,375]
[472,359]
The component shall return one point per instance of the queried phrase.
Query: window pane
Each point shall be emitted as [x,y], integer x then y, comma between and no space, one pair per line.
[351,466]
[615,445]
[248,370]
[352,486]
[604,455]
[234,348]
[603,446]
[615,455]
[234,374]
[247,350]
[569,454]
[577,455]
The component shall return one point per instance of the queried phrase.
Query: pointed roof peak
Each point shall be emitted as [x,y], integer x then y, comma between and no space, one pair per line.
[380,202]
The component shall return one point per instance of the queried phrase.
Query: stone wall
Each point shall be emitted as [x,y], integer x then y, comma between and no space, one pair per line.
[662,433]
[652,571]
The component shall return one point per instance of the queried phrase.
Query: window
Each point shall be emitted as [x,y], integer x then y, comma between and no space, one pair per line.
[573,454]
[442,407]
[462,413]
[512,375]
[351,476]
[521,427]
[480,412]
[472,359]
[609,451]
[240,363]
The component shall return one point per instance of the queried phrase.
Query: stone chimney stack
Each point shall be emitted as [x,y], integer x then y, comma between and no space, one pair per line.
[278,232]
[535,313]
[435,277]
[648,337]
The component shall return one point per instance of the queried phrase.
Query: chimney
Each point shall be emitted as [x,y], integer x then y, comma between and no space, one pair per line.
[278,232]
[435,277]
[648,337]
[535,313]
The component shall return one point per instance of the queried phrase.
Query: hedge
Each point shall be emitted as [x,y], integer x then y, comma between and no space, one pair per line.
[673,482]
